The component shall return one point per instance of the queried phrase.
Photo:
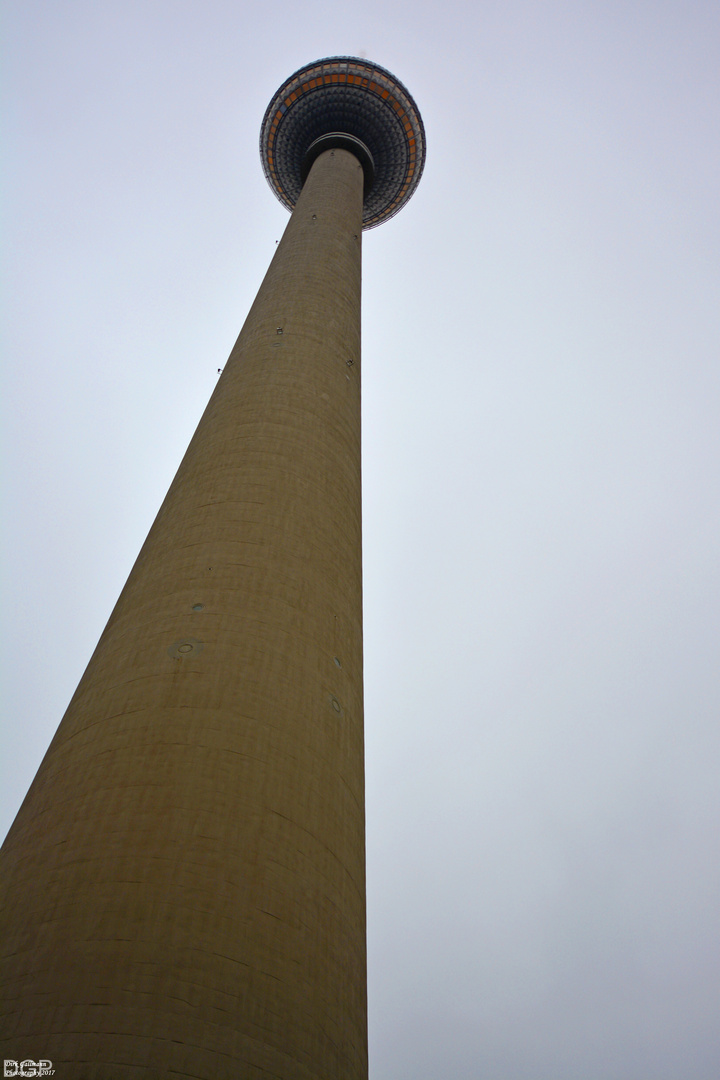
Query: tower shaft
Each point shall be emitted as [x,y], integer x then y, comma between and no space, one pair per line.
[184,885]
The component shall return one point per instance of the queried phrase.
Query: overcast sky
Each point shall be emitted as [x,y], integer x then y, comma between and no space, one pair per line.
[541,348]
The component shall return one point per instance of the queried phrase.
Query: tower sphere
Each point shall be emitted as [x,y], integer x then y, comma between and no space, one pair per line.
[353,104]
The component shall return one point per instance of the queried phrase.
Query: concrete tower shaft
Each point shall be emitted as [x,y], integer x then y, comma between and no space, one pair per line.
[184,884]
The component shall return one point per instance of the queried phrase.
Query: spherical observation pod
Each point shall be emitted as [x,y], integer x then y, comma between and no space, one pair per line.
[346,102]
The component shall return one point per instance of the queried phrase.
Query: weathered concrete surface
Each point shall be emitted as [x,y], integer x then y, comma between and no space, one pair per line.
[184,886]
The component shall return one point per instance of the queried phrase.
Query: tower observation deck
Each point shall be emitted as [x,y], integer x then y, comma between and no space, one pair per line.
[183,888]
[353,104]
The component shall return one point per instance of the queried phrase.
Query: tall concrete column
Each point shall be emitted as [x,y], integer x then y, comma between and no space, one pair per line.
[183,890]
[184,886]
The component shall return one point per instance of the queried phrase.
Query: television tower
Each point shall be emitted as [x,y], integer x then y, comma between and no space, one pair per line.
[183,889]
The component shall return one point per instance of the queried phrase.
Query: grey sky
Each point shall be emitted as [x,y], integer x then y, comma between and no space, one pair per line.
[541,465]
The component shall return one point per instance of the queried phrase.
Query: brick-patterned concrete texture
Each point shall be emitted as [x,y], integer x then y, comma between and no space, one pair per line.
[183,889]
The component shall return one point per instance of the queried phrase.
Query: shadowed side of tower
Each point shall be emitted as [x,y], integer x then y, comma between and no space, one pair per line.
[186,884]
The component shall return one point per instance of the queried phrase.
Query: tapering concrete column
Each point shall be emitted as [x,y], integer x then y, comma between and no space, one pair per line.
[184,884]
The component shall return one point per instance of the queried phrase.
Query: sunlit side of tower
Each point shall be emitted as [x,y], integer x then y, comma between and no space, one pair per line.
[184,884]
